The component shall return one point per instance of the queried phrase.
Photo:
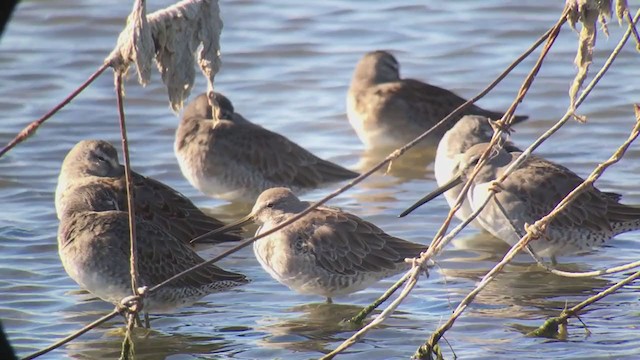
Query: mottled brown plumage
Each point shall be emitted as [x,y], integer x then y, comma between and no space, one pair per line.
[91,169]
[532,191]
[94,249]
[328,252]
[387,111]
[228,156]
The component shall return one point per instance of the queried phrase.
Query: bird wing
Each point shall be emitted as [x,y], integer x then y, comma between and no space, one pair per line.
[160,255]
[278,159]
[344,244]
[164,206]
[421,102]
[540,185]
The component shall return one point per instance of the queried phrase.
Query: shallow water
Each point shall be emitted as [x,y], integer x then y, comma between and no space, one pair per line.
[287,67]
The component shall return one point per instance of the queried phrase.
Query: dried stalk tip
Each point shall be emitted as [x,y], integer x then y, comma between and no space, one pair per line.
[172,35]
[622,8]
[587,12]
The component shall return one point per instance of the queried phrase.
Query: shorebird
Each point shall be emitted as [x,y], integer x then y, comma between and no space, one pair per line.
[91,171]
[531,192]
[468,131]
[387,111]
[224,155]
[94,249]
[328,252]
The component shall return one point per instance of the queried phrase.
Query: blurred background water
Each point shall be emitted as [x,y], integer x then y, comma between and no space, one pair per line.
[287,66]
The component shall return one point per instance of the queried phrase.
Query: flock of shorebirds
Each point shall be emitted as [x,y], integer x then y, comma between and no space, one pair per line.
[328,252]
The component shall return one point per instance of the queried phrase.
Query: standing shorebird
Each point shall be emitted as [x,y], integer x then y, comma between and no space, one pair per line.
[531,192]
[468,131]
[94,249]
[91,168]
[328,252]
[387,111]
[224,155]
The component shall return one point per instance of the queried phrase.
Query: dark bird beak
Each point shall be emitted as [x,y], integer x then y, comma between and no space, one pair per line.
[221,230]
[456,180]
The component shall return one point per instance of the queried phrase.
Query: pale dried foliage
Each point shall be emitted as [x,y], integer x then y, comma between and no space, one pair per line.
[171,36]
[588,13]
[622,9]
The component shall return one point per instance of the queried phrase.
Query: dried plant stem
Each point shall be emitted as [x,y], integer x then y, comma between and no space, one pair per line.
[550,327]
[587,90]
[75,335]
[532,232]
[127,348]
[594,273]
[31,128]
[413,275]
[633,28]
[127,345]
[359,318]
[127,175]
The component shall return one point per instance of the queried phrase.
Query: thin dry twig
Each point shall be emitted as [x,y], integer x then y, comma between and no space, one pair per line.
[73,336]
[127,345]
[31,128]
[137,43]
[550,327]
[587,90]
[359,318]
[127,175]
[411,282]
[634,29]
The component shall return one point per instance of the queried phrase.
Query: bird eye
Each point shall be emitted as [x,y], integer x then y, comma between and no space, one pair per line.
[101,158]
[474,161]
[269,205]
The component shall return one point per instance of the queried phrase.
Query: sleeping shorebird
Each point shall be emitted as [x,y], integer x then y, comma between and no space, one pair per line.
[92,166]
[530,193]
[94,249]
[93,235]
[388,112]
[328,252]
[224,155]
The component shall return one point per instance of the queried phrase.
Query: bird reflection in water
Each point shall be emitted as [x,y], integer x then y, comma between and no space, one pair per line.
[523,289]
[312,327]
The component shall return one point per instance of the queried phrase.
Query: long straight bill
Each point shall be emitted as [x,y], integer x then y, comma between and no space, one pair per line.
[221,230]
[455,181]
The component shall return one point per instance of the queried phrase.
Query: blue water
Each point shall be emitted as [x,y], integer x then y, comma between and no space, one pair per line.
[287,66]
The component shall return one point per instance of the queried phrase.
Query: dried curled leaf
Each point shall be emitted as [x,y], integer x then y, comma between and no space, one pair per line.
[622,8]
[135,44]
[587,12]
[175,33]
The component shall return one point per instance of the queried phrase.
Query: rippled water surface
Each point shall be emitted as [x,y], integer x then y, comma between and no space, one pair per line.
[287,66]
